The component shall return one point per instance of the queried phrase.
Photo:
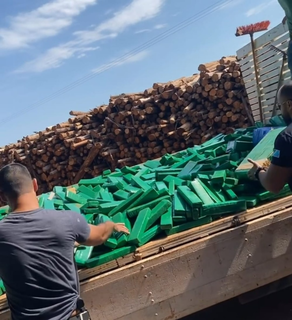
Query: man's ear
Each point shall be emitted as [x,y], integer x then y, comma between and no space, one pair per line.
[35,185]
[289,104]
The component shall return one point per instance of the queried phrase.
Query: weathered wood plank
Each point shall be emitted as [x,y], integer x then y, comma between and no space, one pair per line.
[249,77]
[251,92]
[250,84]
[273,71]
[253,101]
[249,69]
[266,63]
[249,65]
[271,53]
[278,42]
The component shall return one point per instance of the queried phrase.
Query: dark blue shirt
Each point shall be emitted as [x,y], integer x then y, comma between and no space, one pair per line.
[282,155]
[37,262]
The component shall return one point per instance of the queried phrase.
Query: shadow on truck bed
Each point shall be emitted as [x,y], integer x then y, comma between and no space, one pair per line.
[277,306]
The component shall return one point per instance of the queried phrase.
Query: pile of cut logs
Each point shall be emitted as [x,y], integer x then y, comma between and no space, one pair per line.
[133,128]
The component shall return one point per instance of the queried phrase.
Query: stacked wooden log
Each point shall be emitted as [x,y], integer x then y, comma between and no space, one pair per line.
[133,128]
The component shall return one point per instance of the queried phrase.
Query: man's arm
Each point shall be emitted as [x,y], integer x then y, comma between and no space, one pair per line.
[279,172]
[100,233]
[91,235]
[275,178]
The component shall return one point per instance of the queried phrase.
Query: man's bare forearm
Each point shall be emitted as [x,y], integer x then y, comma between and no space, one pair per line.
[262,179]
[107,228]
[268,185]
[100,233]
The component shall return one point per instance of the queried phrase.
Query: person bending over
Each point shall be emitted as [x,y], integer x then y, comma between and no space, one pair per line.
[279,172]
[37,251]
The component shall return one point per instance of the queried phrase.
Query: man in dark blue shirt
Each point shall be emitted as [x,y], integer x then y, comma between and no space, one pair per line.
[37,250]
[279,172]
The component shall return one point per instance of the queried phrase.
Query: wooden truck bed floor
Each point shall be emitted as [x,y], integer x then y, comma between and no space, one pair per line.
[192,270]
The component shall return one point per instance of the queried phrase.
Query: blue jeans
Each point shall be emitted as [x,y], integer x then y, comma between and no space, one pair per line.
[289,57]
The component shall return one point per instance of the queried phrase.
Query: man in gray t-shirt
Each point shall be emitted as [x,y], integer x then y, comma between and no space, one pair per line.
[36,250]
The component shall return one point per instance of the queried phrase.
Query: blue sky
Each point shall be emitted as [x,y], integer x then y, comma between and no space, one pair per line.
[47,45]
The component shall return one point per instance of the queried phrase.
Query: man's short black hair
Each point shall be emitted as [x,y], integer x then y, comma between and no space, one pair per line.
[285,91]
[15,180]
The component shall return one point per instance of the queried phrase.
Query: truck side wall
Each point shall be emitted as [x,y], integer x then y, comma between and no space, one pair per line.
[197,275]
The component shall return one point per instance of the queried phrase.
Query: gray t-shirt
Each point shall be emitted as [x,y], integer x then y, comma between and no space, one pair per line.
[37,262]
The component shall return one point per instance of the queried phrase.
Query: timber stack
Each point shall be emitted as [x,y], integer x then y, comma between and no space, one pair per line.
[134,128]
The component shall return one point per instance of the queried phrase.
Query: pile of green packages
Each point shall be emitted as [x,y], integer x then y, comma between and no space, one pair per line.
[163,197]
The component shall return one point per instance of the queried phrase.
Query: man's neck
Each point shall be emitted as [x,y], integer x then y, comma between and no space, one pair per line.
[24,209]
[26,203]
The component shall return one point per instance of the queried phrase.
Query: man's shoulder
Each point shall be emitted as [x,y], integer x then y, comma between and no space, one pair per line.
[39,214]
[61,215]
[286,134]
[283,144]
[42,213]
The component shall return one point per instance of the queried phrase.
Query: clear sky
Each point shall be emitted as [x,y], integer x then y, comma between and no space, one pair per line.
[47,45]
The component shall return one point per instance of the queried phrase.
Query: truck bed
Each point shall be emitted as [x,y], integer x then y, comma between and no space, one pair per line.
[193,270]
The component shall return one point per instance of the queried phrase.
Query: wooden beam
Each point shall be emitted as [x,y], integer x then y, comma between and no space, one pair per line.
[197,275]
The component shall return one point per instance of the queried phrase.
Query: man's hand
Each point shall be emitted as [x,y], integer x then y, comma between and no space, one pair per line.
[76,244]
[101,232]
[120,227]
[253,170]
[284,20]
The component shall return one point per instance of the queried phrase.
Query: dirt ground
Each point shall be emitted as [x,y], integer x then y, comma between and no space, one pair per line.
[277,306]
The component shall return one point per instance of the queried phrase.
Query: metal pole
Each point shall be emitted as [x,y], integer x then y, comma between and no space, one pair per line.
[257,76]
